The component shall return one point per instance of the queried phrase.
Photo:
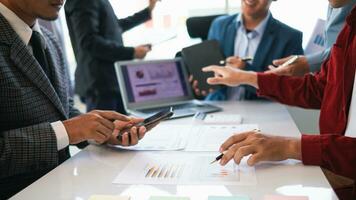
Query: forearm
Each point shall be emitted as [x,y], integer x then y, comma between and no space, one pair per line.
[294,148]
[306,92]
[249,78]
[135,20]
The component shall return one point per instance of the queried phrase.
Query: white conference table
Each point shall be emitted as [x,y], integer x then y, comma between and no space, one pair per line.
[92,170]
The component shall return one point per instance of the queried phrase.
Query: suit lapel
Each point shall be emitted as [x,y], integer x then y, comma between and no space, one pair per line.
[230,39]
[58,79]
[266,43]
[24,60]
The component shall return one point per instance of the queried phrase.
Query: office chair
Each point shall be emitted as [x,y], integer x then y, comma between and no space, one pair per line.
[198,27]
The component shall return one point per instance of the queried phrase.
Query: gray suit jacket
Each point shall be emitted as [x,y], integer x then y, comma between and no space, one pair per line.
[28,104]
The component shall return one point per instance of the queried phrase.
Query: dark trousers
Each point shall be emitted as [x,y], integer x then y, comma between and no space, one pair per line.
[105,102]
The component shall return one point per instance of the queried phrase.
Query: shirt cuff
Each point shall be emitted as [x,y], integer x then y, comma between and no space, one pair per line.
[61,135]
[312,149]
[314,61]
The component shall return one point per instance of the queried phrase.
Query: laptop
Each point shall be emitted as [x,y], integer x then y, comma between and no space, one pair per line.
[151,86]
[201,55]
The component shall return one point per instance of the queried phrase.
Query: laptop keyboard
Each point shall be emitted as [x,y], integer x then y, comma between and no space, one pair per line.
[175,107]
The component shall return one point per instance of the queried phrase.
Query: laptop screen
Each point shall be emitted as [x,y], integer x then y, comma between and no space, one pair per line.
[154,81]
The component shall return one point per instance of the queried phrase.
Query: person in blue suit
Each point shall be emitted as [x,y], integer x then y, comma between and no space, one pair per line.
[252,33]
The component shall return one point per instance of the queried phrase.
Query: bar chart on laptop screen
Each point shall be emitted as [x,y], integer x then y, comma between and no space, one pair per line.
[155,81]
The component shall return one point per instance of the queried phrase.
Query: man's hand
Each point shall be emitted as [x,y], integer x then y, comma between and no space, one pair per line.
[236,62]
[261,147]
[298,68]
[195,86]
[152,4]
[141,51]
[230,76]
[131,134]
[96,125]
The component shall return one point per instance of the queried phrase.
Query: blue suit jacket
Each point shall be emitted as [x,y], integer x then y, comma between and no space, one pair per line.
[278,41]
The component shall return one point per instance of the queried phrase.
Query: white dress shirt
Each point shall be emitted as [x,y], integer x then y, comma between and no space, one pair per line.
[351,124]
[24,31]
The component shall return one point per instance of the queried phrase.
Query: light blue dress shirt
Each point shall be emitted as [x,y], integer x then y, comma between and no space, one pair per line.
[334,23]
[246,44]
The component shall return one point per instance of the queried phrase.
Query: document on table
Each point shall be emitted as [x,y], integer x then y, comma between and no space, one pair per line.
[168,198]
[185,169]
[280,197]
[228,198]
[210,137]
[164,137]
[203,138]
[217,118]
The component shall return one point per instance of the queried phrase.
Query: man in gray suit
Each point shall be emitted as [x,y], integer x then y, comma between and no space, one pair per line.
[37,117]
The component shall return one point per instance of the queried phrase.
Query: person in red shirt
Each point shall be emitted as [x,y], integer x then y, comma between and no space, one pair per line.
[329,90]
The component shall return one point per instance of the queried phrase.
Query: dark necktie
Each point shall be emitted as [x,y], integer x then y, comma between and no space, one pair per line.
[38,45]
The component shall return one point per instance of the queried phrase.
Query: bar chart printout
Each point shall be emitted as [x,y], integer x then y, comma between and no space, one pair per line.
[185,169]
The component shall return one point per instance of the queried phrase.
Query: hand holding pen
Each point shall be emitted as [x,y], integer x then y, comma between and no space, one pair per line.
[236,62]
[218,158]
[290,66]
[289,61]
[259,147]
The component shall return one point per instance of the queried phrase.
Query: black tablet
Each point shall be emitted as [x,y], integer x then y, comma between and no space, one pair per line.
[199,56]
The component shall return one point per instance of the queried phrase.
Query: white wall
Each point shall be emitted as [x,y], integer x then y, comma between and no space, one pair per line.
[300,14]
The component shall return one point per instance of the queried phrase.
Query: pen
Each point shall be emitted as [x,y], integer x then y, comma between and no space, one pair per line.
[218,158]
[290,61]
[245,59]
[223,153]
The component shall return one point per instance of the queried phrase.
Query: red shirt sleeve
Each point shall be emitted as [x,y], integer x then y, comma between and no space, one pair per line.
[334,152]
[306,92]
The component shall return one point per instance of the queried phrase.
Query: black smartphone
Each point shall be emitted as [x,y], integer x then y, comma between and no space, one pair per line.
[160,116]
[156,118]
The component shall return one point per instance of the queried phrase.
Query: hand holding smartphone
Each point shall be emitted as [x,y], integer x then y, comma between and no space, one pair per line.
[150,122]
